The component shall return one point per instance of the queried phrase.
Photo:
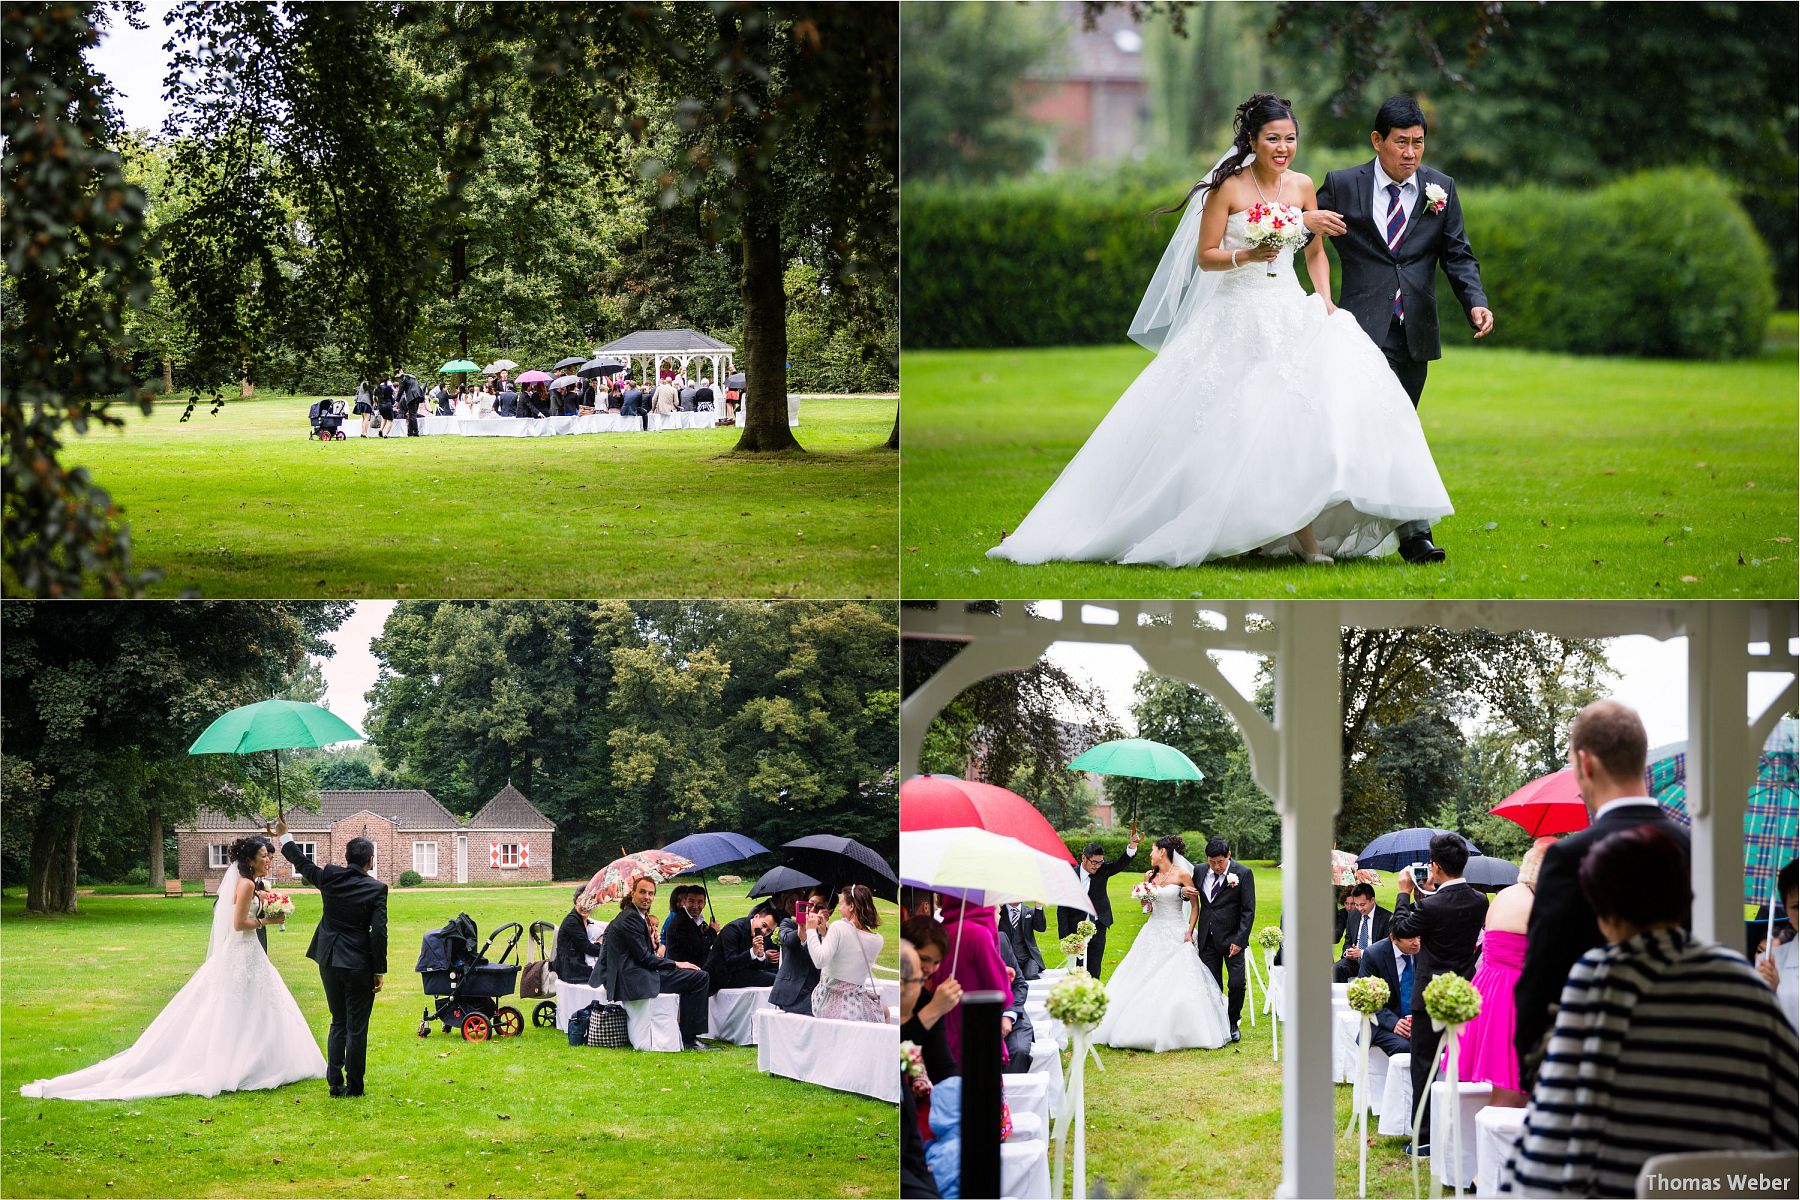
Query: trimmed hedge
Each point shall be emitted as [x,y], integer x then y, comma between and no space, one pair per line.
[1114,840]
[1658,264]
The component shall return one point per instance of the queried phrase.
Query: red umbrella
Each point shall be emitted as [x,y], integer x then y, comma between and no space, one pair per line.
[946,802]
[1547,805]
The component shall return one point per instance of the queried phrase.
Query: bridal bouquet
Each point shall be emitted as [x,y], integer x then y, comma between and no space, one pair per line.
[1277,225]
[1143,893]
[912,1060]
[276,904]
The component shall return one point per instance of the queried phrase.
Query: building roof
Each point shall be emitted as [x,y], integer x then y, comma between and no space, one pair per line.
[665,341]
[412,811]
[509,809]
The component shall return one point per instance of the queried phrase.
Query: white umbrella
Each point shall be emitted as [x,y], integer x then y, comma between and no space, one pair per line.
[989,868]
[499,365]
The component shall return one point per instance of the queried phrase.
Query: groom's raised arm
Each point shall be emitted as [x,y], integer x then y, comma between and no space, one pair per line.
[309,870]
[1457,257]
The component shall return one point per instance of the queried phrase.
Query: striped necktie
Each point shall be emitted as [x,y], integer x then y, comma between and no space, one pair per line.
[1396,228]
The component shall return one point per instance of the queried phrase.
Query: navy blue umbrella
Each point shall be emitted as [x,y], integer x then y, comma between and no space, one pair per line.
[1392,851]
[712,849]
[842,861]
[782,879]
[1489,872]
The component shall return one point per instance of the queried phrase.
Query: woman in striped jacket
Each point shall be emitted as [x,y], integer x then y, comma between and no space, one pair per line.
[1662,1044]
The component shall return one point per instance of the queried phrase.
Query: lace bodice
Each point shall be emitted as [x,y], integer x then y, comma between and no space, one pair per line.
[1165,902]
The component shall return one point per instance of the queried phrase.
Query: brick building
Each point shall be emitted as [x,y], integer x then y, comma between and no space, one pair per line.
[507,839]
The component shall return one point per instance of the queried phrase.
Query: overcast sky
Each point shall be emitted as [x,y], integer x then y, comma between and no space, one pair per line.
[134,63]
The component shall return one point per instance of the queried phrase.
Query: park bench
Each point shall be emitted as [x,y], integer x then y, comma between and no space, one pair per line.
[210,887]
[172,888]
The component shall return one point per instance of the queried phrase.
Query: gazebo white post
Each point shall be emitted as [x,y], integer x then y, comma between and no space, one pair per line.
[1308,729]
[982,657]
[1720,764]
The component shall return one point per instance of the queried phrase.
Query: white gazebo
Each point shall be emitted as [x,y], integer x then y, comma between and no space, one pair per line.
[680,347]
[1294,760]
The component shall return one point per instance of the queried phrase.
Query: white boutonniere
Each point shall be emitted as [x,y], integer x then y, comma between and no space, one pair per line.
[1231,881]
[1435,198]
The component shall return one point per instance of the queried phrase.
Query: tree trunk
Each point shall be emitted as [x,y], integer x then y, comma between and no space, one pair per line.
[168,365]
[53,843]
[765,333]
[893,442]
[158,871]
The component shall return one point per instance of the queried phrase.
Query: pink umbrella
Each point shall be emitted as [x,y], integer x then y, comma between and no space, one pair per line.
[533,377]
[610,882]
[1548,805]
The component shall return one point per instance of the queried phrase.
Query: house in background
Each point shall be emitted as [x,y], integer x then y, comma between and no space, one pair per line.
[1096,101]
[508,839]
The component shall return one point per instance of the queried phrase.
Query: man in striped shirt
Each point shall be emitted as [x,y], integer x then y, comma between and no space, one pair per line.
[1662,1043]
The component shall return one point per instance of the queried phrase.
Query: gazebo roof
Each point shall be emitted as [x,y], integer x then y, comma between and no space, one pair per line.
[666,341]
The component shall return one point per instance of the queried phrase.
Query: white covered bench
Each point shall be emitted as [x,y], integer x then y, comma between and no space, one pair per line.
[731,1014]
[846,1056]
[652,1024]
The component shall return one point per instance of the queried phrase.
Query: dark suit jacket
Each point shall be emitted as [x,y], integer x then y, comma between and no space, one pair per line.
[730,965]
[686,941]
[507,404]
[352,930]
[1068,918]
[573,948]
[1447,922]
[1023,937]
[1372,272]
[1383,961]
[796,977]
[702,396]
[1380,919]
[1562,926]
[629,969]
[1227,920]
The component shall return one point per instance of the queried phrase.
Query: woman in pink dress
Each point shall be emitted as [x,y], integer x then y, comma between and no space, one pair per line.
[1484,1050]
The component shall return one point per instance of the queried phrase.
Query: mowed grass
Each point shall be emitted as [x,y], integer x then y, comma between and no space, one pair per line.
[1571,477]
[1208,1122]
[242,504]
[526,1116]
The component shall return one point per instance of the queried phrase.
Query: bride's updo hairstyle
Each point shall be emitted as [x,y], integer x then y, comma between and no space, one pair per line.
[1252,115]
[243,852]
[1171,846]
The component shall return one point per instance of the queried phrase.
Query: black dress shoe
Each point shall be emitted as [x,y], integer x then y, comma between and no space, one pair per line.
[1235,1035]
[1421,1152]
[336,1092]
[1421,550]
[698,1046]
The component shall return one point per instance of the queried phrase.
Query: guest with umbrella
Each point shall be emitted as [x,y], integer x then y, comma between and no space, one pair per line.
[795,973]
[841,861]
[631,969]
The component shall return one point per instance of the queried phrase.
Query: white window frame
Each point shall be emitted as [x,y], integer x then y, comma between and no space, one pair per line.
[418,860]
[374,860]
[218,856]
[310,849]
[513,848]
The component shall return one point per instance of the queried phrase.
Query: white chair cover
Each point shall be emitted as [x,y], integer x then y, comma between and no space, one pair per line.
[731,1014]
[1496,1129]
[651,1024]
[1024,1171]
[847,1056]
[1397,1098]
[1462,1109]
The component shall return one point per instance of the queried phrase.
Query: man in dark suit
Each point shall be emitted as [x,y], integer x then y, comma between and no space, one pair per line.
[745,954]
[686,402]
[631,401]
[507,403]
[1015,1026]
[1365,923]
[631,969]
[1607,752]
[1226,893]
[1395,223]
[1020,925]
[1392,961]
[687,936]
[1094,871]
[1446,919]
[350,946]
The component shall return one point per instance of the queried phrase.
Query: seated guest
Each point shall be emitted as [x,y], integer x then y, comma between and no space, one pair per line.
[917,902]
[1365,923]
[1020,926]
[1391,961]
[631,401]
[666,398]
[925,1026]
[1662,1043]
[703,395]
[630,969]
[845,955]
[744,954]
[507,403]
[1486,1050]
[685,397]
[1015,1025]
[1780,964]
[686,933]
[577,949]
[916,1182]
[796,976]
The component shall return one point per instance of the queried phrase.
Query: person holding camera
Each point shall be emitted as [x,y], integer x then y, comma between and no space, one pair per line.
[1446,917]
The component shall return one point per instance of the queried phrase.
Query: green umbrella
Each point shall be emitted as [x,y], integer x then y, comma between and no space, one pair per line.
[1138,758]
[273,725]
[456,366]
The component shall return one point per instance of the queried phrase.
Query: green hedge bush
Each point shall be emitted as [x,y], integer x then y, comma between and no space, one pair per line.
[1659,264]
[410,879]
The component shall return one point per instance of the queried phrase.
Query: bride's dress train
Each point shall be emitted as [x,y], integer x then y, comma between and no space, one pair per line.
[233,1027]
[1162,997]
[1259,416]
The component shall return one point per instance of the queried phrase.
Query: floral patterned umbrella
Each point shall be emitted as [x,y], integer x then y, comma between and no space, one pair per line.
[611,881]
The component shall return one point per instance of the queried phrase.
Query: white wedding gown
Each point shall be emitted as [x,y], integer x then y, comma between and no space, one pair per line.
[1162,997]
[233,1027]
[1259,416]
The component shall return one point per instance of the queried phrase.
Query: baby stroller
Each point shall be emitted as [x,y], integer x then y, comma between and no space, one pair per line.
[327,420]
[467,985]
[537,982]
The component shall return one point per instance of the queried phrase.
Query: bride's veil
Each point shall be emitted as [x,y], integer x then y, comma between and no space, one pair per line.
[224,911]
[1179,289]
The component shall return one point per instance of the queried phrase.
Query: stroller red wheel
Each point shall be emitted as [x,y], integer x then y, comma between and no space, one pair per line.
[544,1015]
[509,1022]
[424,1028]
[475,1028]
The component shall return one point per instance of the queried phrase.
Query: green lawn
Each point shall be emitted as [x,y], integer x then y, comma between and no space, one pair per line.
[529,1116]
[1207,1122]
[1586,477]
[241,504]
